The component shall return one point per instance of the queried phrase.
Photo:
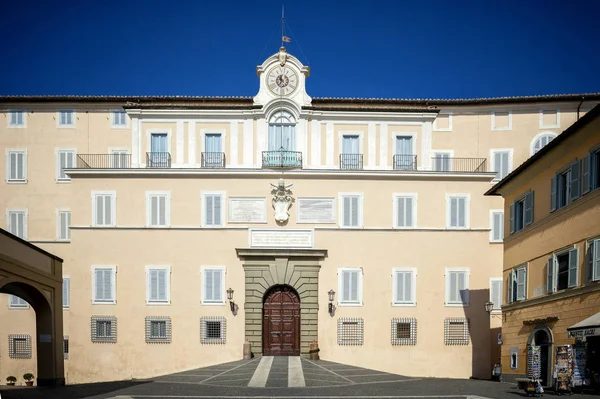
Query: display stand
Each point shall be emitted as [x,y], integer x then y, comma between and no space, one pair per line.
[533,363]
[563,369]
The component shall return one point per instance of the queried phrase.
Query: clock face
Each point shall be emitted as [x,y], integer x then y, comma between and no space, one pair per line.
[282,81]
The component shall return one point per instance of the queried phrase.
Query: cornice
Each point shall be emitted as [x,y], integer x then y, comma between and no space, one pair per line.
[566,294]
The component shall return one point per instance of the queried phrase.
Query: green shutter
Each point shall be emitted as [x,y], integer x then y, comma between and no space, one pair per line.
[553,193]
[573,267]
[586,175]
[575,180]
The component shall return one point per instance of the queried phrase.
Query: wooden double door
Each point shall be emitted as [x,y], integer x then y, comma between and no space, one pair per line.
[281,322]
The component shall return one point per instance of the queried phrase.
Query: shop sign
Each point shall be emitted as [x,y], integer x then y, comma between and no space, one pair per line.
[584,332]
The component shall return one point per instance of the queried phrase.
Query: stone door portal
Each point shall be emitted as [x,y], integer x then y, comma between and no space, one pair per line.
[281,322]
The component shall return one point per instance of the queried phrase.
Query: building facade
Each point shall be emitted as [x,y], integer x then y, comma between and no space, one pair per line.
[191,226]
[552,258]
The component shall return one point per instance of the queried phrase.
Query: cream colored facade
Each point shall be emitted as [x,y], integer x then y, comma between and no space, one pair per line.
[309,252]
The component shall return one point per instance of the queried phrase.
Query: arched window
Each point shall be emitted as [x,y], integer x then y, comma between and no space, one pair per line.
[282,131]
[540,141]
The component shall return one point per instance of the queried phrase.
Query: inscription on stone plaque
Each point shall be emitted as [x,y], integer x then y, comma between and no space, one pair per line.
[281,238]
[247,209]
[316,210]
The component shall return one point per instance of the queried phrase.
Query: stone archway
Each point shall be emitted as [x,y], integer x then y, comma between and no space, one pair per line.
[542,336]
[36,276]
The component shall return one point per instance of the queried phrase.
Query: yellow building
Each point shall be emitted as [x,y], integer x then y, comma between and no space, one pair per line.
[552,257]
[189,226]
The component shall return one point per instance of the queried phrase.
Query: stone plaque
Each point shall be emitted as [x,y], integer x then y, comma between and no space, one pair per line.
[316,210]
[247,210]
[281,238]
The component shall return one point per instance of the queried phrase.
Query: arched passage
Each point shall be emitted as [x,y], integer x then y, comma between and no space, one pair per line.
[541,336]
[281,321]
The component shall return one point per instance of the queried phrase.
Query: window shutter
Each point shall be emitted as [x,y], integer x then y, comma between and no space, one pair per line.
[463,289]
[153,296]
[528,212]
[153,210]
[408,206]
[99,284]
[99,210]
[521,283]
[354,286]
[162,284]
[498,165]
[210,211]
[66,289]
[345,285]
[208,286]
[496,294]
[408,294]
[553,182]
[346,211]
[575,179]
[550,275]
[400,209]
[64,224]
[498,226]
[573,267]
[590,262]
[453,294]
[509,287]
[217,278]
[162,210]
[453,212]
[217,210]
[354,211]
[596,264]
[586,175]
[108,285]
[512,218]
[462,212]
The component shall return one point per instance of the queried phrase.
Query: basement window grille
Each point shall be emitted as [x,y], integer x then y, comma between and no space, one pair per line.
[350,331]
[158,330]
[456,331]
[104,329]
[213,330]
[66,346]
[404,331]
[19,346]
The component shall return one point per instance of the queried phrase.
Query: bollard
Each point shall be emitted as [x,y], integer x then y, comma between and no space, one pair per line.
[314,350]
[247,351]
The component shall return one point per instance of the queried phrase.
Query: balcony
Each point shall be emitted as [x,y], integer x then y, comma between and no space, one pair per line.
[460,165]
[103,161]
[351,161]
[405,162]
[213,160]
[281,159]
[158,160]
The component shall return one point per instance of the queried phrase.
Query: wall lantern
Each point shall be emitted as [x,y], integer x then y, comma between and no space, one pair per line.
[230,298]
[489,306]
[331,307]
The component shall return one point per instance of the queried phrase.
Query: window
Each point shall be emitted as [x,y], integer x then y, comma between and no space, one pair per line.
[404,286]
[213,285]
[521,213]
[16,118]
[17,222]
[66,346]
[517,284]
[19,346]
[65,159]
[591,171]
[282,132]
[159,156]
[549,118]
[104,284]
[456,331]
[213,330]
[158,208]
[351,157]
[104,329]
[496,293]
[16,166]
[562,270]
[16,302]
[442,161]
[213,208]
[66,292]
[63,223]
[443,122]
[457,211]
[502,163]
[405,210]
[540,141]
[158,284]
[120,158]
[496,225]
[565,187]
[501,120]
[104,208]
[351,209]
[158,330]
[66,118]
[593,260]
[404,158]
[457,287]
[118,119]
[350,331]
[404,331]
[514,358]
[350,286]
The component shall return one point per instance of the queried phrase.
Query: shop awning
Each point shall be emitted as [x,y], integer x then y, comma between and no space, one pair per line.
[589,327]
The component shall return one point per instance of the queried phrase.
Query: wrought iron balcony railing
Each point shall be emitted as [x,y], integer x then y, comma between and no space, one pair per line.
[281,159]
[103,161]
[351,161]
[213,160]
[405,162]
[158,160]
[466,165]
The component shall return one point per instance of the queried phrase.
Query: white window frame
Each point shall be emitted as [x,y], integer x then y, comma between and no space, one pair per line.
[501,281]
[113,284]
[150,301]
[14,306]
[556,125]
[113,195]
[203,195]
[395,197]
[25,220]
[443,129]
[493,152]
[434,154]
[206,131]
[413,288]
[359,294]
[447,302]
[73,118]
[394,136]
[149,195]
[112,119]
[9,123]
[358,133]
[58,226]
[492,213]
[341,210]
[496,129]
[536,138]
[203,300]
[467,211]
[57,153]
[149,134]
[68,305]
[25,156]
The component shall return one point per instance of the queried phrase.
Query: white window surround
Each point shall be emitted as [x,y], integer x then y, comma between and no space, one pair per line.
[112,119]
[341,209]
[57,152]
[493,151]
[150,132]
[113,285]
[492,212]
[415,198]
[67,279]
[149,195]
[58,224]
[465,270]
[467,210]
[358,133]
[15,302]
[500,294]
[203,299]
[203,195]
[8,169]
[494,128]
[395,134]
[444,129]
[555,126]
[205,131]
[413,299]
[113,195]
[537,137]
[73,118]
[9,119]
[150,301]
[359,284]
[25,222]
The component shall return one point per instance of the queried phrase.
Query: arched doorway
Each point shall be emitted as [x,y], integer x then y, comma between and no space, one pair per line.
[281,322]
[541,336]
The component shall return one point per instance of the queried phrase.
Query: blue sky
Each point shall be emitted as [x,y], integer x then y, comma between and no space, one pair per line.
[390,49]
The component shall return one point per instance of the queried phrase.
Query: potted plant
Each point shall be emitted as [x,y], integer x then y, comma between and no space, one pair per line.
[28,377]
[10,380]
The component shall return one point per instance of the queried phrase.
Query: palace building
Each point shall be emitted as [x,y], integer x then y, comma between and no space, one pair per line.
[190,227]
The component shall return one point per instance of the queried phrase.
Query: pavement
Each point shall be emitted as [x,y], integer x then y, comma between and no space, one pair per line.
[276,377]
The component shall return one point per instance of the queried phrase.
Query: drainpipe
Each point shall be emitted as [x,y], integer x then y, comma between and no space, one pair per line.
[579,106]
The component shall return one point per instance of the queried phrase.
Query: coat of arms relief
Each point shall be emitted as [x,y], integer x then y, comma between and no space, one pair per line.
[282,200]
